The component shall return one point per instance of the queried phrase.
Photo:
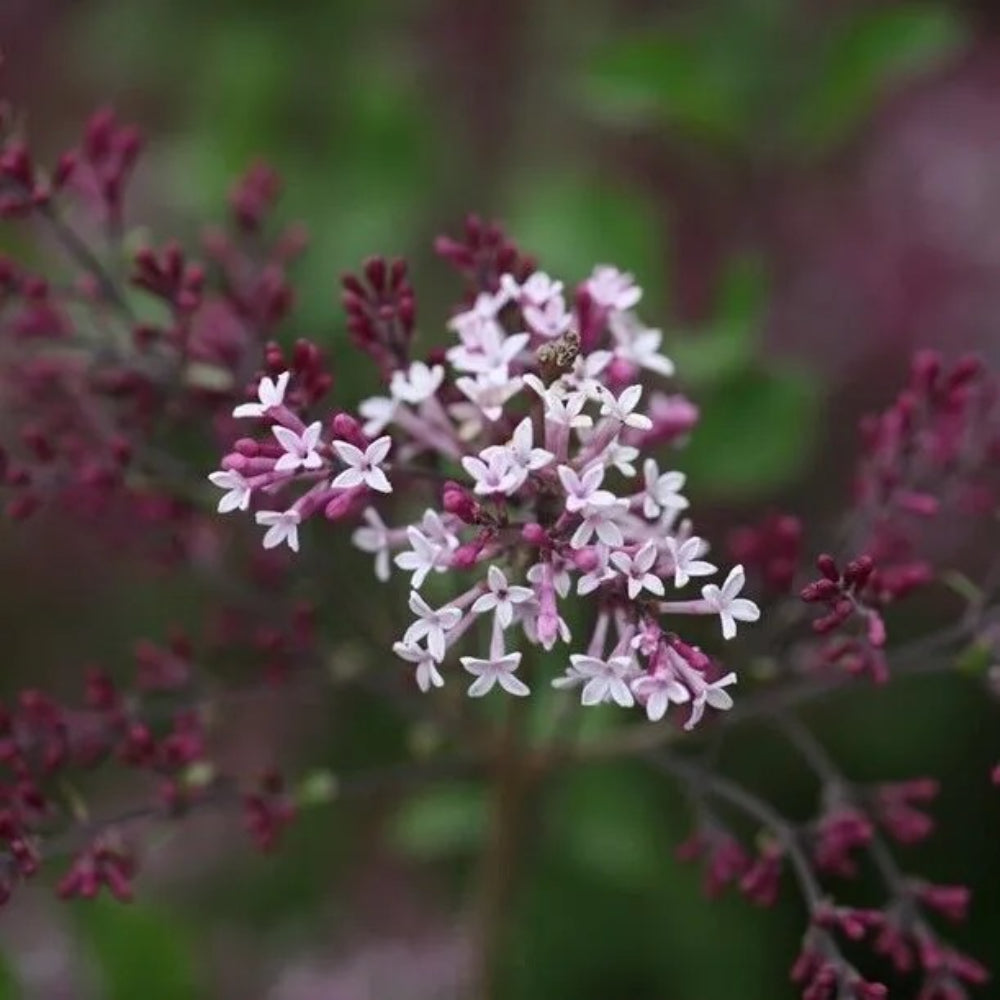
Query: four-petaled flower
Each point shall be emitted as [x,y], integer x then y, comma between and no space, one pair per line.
[662,493]
[599,520]
[728,605]
[431,623]
[637,570]
[282,526]
[363,466]
[711,694]
[375,539]
[496,670]
[622,408]
[426,674]
[613,289]
[424,555]
[239,489]
[300,449]
[270,395]
[417,383]
[606,680]
[657,690]
[495,475]
[685,556]
[583,490]
[502,597]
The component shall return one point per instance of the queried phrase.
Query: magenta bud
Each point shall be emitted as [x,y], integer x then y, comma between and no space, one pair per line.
[465,556]
[339,506]
[828,567]
[345,427]
[247,447]
[459,501]
[535,534]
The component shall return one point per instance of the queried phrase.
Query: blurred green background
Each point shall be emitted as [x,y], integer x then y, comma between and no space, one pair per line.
[806,190]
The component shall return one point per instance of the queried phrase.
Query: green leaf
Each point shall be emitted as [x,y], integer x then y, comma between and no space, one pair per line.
[666,78]
[8,981]
[441,822]
[874,50]
[140,951]
[755,434]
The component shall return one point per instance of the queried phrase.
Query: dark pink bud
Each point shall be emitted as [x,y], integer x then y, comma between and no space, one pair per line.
[828,567]
[347,428]
[535,534]
[459,501]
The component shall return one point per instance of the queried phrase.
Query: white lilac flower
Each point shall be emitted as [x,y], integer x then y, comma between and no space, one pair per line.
[637,570]
[686,559]
[490,390]
[434,527]
[571,678]
[621,456]
[662,492]
[423,556]
[363,466]
[378,413]
[426,673]
[537,288]
[495,475]
[599,520]
[657,691]
[728,605]
[524,455]
[565,410]
[551,319]
[300,449]
[622,407]
[587,372]
[239,490]
[584,489]
[374,539]
[270,394]
[496,670]
[639,345]
[557,573]
[487,350]
[606,680]
[417,383]
[613,289]
[431,623]
[282,526]
[711,694]
[501,597]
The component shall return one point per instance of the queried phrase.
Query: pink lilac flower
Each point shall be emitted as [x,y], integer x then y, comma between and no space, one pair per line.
[375,539]
[685,556]
[605,680]
[637,570]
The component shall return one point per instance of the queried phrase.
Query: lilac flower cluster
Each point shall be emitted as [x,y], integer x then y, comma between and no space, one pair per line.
[534,423]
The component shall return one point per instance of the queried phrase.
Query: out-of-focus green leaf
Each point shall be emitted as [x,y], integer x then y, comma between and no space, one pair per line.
[8,982]
[725,347]
[140,952]
[755,433]
[666,78]
[441,822]
[873,50]
[607,827]
[572,223]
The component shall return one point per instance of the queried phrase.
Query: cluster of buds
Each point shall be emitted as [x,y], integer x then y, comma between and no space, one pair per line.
[540,445]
